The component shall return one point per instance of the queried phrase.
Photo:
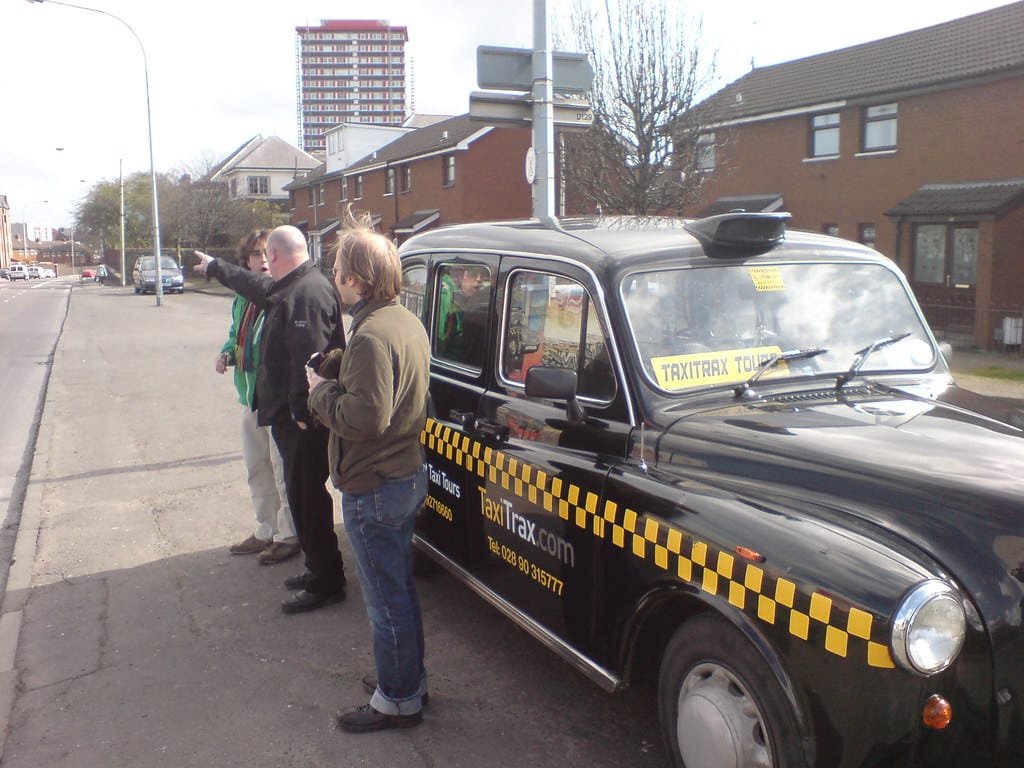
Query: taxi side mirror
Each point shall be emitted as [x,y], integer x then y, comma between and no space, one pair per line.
[550,383]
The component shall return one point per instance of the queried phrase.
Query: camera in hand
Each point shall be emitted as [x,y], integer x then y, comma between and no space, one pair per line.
[326,364]
[316,360]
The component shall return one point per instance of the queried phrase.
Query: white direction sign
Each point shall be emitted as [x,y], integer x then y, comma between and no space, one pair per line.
[509,109]
[511,69]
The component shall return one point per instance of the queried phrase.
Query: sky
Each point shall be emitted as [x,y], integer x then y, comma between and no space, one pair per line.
[223,71]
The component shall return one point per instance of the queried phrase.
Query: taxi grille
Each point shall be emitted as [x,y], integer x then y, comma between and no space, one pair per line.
[822,394]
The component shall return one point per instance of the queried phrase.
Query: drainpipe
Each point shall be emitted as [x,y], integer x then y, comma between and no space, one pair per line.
[395,225]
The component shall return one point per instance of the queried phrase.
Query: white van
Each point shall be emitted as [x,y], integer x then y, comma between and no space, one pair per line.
[18,272]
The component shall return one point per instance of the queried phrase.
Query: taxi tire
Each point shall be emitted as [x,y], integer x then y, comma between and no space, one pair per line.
[729,684]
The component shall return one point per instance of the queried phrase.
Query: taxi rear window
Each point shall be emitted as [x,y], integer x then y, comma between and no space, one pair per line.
[463,296]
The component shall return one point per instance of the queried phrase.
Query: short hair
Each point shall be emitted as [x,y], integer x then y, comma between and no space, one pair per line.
[248,243]
[371,257]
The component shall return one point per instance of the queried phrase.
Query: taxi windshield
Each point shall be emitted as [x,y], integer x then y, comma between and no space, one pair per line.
[708,326]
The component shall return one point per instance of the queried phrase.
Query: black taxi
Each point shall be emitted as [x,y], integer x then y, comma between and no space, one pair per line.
[740,449]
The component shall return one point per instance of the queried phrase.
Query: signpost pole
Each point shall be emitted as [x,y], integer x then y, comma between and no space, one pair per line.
[543,116]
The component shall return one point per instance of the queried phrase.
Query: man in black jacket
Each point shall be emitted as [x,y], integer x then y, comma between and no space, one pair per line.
[302,317]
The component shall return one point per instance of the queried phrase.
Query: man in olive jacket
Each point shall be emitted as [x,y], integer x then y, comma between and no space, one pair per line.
[302,317]
[376,410]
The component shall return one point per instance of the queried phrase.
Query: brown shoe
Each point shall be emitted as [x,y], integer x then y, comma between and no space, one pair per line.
[278,552]
[250,546]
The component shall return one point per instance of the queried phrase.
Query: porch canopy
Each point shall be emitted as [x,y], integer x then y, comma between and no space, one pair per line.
[417,221]
[976,198]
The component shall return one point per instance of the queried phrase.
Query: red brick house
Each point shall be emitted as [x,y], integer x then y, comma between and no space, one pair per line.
[453,171]
[913,144]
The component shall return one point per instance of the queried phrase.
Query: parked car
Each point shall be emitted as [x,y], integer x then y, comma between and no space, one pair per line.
[5,273]
[46,272]
[18,272]
[88,274]
[33,272]
[144,275]
[737,451]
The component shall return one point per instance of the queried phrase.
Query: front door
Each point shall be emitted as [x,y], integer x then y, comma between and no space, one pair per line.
[535,509]
[944,275]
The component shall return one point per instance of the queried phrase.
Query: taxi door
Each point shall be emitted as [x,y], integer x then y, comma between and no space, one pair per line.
[535,493]
[459,318]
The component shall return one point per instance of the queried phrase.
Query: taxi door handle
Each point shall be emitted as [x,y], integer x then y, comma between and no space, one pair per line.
[490,429]
[465,419]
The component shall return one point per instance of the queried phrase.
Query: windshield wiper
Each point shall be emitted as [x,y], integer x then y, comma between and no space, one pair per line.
[744,389]
[863,354]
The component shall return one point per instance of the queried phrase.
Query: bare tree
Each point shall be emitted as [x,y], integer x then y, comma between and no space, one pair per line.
[641,156]
[200,213]
[194,212]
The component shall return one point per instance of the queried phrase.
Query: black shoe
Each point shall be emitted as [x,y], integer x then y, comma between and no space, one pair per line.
[370,685]
[304,600]
[298,582]
[366,719]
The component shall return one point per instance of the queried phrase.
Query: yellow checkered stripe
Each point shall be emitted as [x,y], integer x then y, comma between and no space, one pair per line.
[842,629]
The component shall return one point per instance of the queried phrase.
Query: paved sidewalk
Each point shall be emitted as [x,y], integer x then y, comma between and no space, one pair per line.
[966,366]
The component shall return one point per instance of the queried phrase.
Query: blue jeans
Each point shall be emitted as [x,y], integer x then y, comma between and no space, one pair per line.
[380,525]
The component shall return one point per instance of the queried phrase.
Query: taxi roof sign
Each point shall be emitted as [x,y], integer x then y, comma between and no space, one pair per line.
[739,234]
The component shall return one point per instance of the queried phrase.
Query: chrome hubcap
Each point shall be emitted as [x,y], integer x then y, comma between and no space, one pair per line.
[719,724]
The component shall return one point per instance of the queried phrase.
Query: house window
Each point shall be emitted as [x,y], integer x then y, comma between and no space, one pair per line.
[259,185]
[880,127]
[319,194]
[344,190]
[825,135]
[406,178]
[866,234]
[448,170]
[830,229]
[389,182]
[706,152]
[359,187]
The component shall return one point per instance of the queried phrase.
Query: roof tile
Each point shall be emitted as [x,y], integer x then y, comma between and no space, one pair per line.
[974,46]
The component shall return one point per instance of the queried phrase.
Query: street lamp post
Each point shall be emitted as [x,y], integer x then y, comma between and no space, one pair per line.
[149,124]
[120,171]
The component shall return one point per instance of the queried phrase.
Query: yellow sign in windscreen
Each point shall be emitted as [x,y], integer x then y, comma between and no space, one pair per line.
[766,278]
[678,372]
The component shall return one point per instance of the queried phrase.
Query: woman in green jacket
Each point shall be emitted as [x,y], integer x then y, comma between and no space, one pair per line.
[273,540]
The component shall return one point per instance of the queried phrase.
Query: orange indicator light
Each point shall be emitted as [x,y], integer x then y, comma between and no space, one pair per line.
[937,712]
[749,554]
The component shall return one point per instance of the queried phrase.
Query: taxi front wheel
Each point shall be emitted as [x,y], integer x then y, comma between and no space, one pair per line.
[720,705]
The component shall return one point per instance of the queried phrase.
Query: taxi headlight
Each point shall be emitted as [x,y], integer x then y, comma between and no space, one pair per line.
[928,628]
